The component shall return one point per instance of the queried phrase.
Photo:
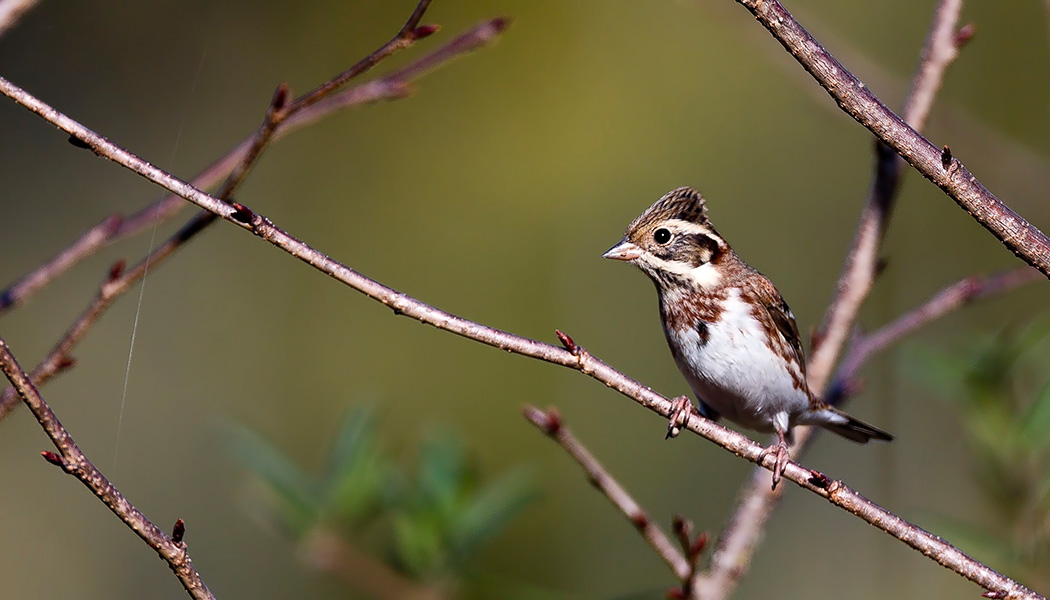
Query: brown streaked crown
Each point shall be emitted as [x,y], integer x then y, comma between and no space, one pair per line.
[684,203]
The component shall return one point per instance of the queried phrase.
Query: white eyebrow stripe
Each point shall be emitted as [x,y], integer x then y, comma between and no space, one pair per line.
[687,227]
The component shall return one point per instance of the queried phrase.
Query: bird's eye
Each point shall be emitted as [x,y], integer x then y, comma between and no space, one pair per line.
[662,236]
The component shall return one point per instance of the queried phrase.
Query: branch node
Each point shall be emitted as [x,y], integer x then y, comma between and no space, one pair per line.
[946,157]
[65,362]
[178,531]
[676,593]
[819,479]
[116,270]
[242,214]
[697,547]
[279,101]
[639,520]
[964,35]
[424,31]
[54,459]
[567,342]
[998,595]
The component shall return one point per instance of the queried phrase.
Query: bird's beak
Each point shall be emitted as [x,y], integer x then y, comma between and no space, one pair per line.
[625,251]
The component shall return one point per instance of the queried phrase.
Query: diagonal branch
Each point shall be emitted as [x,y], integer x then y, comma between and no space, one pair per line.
[549,422]
[937,165]
[579,359]
[949,299]
[392,86]
[120,280]
[72,460]
[743,531]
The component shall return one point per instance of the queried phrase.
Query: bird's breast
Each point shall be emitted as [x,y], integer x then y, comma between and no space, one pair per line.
[724,352]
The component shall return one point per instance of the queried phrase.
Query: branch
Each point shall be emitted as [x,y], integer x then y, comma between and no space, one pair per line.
[949,299]
[73,461]
[393,86]
[743,531]
[550,423]
[11,11]
[937,165]
[110,229]
[578,359]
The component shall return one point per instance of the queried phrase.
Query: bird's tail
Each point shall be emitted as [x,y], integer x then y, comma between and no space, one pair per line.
[847,426]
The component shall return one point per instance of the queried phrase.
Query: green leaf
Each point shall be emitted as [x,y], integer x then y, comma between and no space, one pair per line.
[290,483]
[356,473]
[489,512]
[443,476]
[1036,423]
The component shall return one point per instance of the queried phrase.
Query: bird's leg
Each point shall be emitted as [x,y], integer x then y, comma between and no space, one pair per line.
[780,451]
[682,408]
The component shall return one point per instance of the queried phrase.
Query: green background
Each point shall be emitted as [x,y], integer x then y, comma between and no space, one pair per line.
[490,193]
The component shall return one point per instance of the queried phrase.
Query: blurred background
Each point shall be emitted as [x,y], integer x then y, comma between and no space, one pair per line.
[491,193]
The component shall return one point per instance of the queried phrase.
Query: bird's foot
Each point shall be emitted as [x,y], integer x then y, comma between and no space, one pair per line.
[682,408]
[780,451]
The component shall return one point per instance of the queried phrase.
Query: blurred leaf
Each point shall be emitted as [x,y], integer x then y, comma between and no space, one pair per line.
[1036,423]
[418,543]
[293,486]
[442,475]
[356,472]
[939,371]
[489,512]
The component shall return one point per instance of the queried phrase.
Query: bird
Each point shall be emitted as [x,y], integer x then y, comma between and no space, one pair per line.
[731,334]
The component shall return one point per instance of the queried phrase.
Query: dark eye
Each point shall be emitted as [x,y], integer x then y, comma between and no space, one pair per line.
[662,236]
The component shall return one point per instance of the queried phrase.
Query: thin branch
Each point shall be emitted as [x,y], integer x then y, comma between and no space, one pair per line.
[73,461]
[11,11]
[743,531]
[949,299]
[393,86]
[948,173]
[119,281]
[549,422]
[858,274]
[577,358]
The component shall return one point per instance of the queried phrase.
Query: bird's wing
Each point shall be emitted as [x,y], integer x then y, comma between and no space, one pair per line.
[781,316]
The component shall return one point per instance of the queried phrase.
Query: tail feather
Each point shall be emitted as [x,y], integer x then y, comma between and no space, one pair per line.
[848,426]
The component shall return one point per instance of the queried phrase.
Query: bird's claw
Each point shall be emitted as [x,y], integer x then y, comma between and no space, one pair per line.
[781,457]
[682,408]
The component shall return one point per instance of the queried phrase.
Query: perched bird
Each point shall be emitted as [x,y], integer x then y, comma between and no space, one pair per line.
[732,336]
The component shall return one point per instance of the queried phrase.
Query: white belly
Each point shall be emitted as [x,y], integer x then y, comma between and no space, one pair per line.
[735,372]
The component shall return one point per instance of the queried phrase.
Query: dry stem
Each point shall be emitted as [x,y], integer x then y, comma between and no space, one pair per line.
[73,461]
[838,493]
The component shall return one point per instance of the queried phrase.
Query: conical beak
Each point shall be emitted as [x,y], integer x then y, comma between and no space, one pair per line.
[625,251]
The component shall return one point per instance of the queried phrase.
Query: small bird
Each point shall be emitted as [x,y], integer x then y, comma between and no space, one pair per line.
[731,334]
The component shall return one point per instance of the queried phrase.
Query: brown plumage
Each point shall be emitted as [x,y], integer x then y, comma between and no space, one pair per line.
[732,335]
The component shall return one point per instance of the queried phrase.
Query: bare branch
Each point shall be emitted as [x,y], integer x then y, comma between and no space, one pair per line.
[743,531]
[1023,239]
[550,423]
[949,299]
[11,11]
[838,493]
[858,274]
[394,86]
[238,163]
[72,461]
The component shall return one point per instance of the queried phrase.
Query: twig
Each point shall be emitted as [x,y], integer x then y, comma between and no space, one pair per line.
[11,11]
[550,423]
[393,86]
[858,274]
[947,300]
[72,461]
[743,531]
[839,494]
[1023,239]
[110,229]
